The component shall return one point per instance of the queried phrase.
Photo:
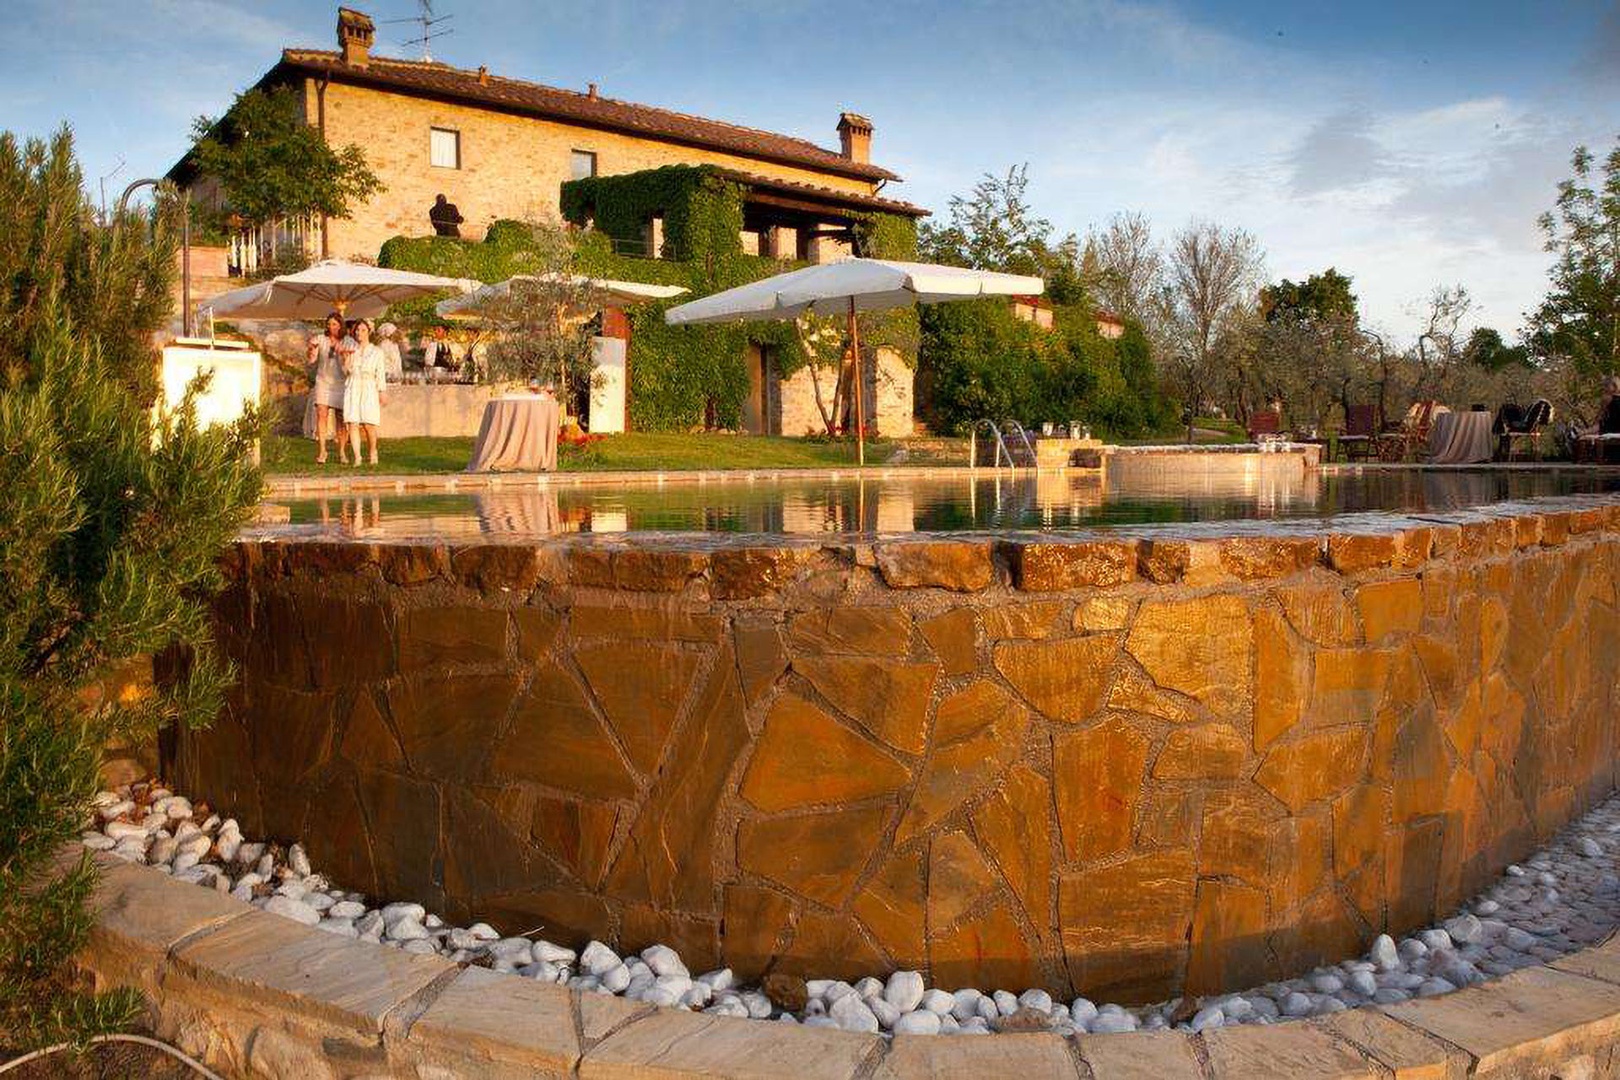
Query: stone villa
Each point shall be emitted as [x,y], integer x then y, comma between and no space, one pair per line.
[501,148]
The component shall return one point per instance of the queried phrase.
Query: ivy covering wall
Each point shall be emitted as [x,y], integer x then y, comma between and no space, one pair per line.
[679,376]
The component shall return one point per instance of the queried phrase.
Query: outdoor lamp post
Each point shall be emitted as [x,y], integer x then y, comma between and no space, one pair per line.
[185,246]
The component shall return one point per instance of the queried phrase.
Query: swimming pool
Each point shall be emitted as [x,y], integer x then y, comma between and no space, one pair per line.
[962,501]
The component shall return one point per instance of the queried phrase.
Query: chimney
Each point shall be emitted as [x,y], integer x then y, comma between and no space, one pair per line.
[590,91]
[855,137]
[483,75]
[355,32]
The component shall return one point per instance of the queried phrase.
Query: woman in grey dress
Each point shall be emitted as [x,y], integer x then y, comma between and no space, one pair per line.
[326,355]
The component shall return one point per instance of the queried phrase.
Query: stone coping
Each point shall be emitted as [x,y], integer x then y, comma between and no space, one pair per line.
[462,482]
[744,566]
[255,993]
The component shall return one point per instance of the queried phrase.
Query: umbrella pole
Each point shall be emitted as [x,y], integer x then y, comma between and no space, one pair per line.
[860,411]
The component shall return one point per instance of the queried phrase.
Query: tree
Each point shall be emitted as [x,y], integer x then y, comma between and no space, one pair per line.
[1123,266]
[1211,280]
[111,529]
[1579,321]
[1323,298]
[272,165]
[1437,347]
[541,332]
[995,228]
[1486,349]
[1311,353]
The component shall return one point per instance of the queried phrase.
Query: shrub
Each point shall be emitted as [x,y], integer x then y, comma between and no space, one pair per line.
[110,530]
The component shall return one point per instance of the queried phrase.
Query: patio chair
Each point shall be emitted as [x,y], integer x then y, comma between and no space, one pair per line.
[1360,432]
[1522,435]
[1265,422]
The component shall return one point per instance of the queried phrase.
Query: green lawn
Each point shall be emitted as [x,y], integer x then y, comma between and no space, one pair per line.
[285,455]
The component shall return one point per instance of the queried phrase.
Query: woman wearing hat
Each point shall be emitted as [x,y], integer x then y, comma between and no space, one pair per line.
[393,362]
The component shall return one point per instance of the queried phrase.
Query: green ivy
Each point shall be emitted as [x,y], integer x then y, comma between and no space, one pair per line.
[982,361]
[679,376]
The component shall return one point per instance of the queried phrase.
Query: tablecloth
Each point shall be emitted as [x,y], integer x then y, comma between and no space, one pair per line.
[1460,438]
[517,433]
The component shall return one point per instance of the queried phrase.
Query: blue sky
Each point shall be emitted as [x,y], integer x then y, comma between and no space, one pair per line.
[1408,144]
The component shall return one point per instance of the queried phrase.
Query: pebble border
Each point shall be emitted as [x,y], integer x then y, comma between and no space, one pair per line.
[254,992]
[1585,915]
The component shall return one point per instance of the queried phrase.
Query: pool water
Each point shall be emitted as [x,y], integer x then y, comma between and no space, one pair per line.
[828,504]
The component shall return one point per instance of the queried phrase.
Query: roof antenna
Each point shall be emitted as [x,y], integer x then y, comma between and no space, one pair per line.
[427,22]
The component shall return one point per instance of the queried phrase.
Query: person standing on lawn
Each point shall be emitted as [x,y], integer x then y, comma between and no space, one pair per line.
[326,362]
[366,372]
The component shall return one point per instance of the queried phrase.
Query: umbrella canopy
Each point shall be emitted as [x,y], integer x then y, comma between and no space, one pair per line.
[847,286]
[354,290]
[838,287]
[601,290]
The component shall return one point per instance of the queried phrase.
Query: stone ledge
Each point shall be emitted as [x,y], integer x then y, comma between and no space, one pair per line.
[216,955]
[741,568]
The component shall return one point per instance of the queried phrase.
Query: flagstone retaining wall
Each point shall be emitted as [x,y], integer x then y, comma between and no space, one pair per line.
[1127,766]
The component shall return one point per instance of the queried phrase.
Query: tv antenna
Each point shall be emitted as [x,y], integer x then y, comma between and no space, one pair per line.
[429,25]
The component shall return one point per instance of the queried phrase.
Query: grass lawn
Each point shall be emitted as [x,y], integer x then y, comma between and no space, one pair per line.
[286,455]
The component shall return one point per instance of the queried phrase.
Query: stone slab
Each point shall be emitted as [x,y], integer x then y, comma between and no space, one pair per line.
[671,1043]
[933,1057]
[600,1015]
[146,906]
[288,966]
[1140,1055]
[141,914]
[1407,1054]
[1282,1052]
[1530,1018]
[485,1021]
[1599,962]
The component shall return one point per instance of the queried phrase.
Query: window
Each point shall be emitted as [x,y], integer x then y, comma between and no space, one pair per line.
[581,164]
[444,148]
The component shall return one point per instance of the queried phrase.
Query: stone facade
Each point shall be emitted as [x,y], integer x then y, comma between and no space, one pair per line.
[1128,767]
[511,166]
[889,401]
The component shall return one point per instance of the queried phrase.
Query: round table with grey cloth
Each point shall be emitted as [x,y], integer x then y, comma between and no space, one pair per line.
[518,433]
[1460,438]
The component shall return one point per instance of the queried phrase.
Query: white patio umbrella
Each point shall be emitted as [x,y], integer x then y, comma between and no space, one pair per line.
[600,290]
[353,290]
[848,286]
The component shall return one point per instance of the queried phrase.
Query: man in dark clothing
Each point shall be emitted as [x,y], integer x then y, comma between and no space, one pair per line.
[445,217]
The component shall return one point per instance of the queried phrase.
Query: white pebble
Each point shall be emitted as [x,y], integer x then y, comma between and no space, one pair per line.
[918,1022]
[852,1014]
[664,960]
[939,1002]
[904,990]
[1384,954]
[721,980]
[1208,1017]
[1590,847]
[598,958]
[296,910]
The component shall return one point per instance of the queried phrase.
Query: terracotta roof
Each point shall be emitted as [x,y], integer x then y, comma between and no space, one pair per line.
[482,88]
[817,193]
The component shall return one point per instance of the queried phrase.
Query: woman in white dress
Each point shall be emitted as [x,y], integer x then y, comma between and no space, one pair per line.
[326,362]
[386,340]
[366,369]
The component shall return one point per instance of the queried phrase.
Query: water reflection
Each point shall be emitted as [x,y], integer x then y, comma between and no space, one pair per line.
[828,504]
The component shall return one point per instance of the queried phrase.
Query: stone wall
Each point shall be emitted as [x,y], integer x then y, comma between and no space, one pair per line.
[511,166]
[1124,766]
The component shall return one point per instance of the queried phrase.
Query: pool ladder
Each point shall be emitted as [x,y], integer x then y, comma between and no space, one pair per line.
[1016,452]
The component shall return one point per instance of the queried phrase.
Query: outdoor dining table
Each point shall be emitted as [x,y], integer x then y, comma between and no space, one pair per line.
[518,433]
[1460,438]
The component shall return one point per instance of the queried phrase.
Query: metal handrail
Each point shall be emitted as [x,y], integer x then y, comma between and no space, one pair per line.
[1023,434]
[973,443]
